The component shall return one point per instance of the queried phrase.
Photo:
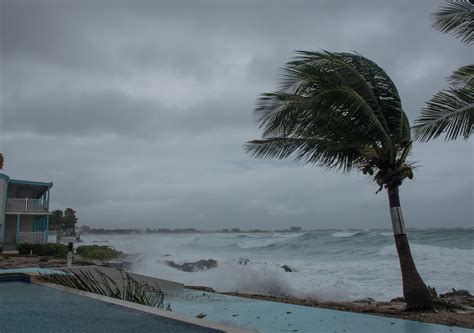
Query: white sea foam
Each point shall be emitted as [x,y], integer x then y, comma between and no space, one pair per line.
[355,267]
[430,252]
[344,234]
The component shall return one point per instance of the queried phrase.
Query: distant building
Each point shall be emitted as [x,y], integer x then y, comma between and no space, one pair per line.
[24,212]
[84,229]
[296,229]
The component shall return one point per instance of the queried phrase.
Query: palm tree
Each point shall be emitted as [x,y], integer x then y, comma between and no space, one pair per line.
[342,111]
[451,111]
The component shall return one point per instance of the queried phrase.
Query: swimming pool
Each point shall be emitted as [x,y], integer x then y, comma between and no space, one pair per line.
[29,307]
[35,270]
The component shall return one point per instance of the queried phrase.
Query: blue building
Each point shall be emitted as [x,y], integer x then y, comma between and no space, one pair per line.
[24,212]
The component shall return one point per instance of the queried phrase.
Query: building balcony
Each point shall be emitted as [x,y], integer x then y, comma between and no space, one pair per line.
[27,205]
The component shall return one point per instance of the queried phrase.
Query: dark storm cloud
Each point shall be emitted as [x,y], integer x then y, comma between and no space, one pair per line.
[137,110]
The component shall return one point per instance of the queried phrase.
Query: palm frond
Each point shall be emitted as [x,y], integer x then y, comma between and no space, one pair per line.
[339,69]
[100,283]
[450,112]
[386,94]
[456,17]
[463,77]
[308,150]
[340,103]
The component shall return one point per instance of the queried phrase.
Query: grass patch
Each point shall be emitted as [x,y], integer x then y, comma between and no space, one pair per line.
[100,252]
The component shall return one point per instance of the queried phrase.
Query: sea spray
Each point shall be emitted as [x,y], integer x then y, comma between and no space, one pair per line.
[330,265]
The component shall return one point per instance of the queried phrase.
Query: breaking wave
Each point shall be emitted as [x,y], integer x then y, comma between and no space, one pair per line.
[330,265]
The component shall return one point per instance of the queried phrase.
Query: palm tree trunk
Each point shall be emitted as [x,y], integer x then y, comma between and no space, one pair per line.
[417,295]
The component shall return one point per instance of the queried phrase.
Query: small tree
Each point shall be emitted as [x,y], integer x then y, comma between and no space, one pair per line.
[63,222]
[56,220]
[69,221]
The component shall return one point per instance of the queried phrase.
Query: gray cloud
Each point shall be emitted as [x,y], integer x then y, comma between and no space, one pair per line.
[137,111]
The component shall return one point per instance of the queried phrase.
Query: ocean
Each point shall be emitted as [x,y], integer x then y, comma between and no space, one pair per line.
[327,265]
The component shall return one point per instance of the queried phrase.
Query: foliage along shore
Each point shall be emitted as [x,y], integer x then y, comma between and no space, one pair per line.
[54,256]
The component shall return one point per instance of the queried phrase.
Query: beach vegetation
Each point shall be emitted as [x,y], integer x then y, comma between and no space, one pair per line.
[450,112]
[342,111]
[50,250]
[97,282]
[100,252]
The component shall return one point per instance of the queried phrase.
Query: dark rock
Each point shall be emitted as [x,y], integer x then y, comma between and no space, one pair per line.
[457,299]
[398,299]
[365,300]
[243,261]
[113,264]
[288,268]
[456,293]
[194,266]
[202,288]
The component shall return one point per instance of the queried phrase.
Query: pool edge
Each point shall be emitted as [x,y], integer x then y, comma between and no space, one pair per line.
[143,308]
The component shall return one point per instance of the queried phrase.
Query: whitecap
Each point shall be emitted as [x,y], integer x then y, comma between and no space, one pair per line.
[343,234]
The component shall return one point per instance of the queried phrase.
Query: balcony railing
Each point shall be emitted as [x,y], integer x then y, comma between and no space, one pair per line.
[26,205]
[32,237]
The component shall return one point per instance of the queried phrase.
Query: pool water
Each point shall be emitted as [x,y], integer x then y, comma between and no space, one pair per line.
[27,307]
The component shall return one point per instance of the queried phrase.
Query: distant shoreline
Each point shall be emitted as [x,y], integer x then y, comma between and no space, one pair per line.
[147,231]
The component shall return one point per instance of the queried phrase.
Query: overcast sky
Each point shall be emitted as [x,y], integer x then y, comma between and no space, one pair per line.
[137,110]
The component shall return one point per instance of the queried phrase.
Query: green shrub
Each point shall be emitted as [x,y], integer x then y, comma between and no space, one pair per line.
[50,250]
[44,259]
[101,252]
